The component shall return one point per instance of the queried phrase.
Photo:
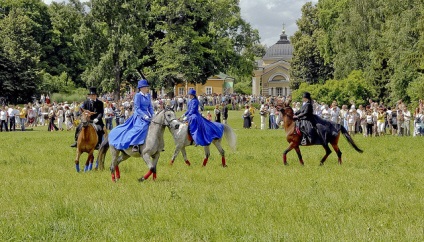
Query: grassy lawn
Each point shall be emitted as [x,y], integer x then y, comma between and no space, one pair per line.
[375,196]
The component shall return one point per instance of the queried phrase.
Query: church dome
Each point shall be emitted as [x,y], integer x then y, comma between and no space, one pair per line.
[280,50]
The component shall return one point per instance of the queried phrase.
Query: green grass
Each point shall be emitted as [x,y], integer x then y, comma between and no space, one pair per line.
[376,196]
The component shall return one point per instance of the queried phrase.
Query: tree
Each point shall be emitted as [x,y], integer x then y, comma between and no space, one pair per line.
[113,36]
[201,39]
[307,65]
[20,54]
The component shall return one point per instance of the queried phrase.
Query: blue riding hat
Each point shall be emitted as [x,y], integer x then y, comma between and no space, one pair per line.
[192,92]
[142,83]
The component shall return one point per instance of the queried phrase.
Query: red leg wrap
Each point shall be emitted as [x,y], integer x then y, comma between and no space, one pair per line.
[205,161]
[154,176]
[113,177]
[118,174]
[188,162]
[223,161]
[147,175]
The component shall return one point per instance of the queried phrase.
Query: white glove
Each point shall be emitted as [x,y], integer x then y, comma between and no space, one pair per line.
[95,120]
[185,119]
[146,117]
[182,116]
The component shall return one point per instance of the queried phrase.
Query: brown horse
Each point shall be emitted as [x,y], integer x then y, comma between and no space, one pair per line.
[330,133]
[87,140]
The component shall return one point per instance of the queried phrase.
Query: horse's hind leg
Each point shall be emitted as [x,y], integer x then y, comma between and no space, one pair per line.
[291,146]
[327,153]
[217,144]
[339,153]
[207,154]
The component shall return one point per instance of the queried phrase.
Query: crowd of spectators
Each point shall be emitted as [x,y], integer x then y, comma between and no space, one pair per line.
[373,119]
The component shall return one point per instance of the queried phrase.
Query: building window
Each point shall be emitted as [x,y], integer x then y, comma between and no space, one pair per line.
[279,91]
[181,91]
[208,90]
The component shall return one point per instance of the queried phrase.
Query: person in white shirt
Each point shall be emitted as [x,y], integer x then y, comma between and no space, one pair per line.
[12,121]
[325,114]
[406,121]
[3,119]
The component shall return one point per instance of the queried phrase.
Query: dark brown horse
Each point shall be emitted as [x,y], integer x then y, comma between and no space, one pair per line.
[87,141]
[330,133]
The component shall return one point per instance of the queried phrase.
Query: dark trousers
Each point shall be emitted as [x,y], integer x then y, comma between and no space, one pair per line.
[3,123]
[369,129]
[12,124]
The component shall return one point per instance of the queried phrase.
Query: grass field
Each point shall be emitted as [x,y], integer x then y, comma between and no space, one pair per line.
[374,196]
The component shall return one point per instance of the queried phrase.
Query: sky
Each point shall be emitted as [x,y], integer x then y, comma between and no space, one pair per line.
[268,16]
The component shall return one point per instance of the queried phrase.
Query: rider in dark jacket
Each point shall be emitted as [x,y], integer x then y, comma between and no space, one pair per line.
[306,119]
[94,105]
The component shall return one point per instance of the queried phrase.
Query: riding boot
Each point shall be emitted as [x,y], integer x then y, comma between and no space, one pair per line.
[77,131]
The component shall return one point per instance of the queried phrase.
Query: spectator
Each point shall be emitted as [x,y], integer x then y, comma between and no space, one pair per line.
[406,120]
[217,113]
[224,113]
[246,117]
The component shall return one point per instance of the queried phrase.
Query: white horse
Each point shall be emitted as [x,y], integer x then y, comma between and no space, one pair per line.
[149,151]
[181,139]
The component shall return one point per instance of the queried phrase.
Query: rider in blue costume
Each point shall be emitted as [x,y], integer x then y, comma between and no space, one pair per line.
[202,130]
[134,131]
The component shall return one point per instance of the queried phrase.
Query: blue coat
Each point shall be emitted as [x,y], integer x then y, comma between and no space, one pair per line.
[134,130]
[202,130]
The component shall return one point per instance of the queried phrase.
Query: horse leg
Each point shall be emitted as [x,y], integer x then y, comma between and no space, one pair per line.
[183,151]
[152,169]
[119,159]
[299,155]
[89,162]
[207,154]
[77,161]
[291,146]
[114,163]
[327,153]
[217,144]
[339,153]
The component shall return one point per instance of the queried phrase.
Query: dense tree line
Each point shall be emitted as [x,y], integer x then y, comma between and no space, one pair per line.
[63,46]
[381,42]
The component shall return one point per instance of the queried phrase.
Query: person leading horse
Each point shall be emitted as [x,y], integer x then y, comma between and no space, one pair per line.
[93,105]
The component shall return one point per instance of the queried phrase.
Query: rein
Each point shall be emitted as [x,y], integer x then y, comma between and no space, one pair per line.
[168,122]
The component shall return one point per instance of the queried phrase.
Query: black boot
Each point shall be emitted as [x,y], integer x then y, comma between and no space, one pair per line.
[74,144]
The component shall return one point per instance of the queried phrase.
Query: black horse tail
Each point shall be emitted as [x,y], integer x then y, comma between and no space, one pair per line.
[349,139]
[104,147]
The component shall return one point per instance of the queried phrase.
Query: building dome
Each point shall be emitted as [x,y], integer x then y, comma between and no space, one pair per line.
[282,50]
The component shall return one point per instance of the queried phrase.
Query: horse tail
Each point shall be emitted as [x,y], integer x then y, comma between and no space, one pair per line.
[104,147]
[231,137]
[349,139]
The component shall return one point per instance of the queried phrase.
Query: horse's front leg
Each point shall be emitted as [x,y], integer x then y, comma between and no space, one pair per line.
[183,151]
[77,161]
[207,154]
[151,165]
[299,155]
[89,162]
[177,150]
[291,146]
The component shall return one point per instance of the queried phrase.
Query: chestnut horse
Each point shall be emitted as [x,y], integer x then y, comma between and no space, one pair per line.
[330,133]
[87,140]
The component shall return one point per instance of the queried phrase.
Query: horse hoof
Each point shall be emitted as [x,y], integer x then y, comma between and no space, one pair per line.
[224,166]
[141,179]
[286,164]
[321,164]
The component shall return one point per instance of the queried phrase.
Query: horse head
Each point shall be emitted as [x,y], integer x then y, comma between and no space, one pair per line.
[85,117]
[165,117]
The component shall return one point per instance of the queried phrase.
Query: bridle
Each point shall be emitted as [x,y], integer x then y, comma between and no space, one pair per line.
[168,122]
[285,113]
